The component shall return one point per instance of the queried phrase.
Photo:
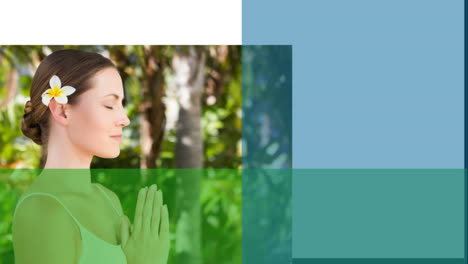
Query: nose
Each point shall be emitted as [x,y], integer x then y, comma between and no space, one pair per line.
[124,121]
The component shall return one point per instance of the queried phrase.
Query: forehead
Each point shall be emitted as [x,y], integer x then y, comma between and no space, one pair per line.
[105,82]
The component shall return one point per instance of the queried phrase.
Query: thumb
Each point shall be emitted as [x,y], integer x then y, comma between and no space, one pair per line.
[124,229]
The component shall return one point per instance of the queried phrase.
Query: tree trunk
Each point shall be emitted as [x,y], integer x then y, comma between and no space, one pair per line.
[12,87]
[152,109]
[189,71]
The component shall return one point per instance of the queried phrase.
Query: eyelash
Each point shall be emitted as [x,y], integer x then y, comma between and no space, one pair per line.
[108,107]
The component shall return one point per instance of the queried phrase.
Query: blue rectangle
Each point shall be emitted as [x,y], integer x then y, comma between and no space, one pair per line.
[376,84]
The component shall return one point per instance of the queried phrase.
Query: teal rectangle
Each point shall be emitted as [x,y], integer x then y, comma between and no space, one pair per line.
[378,213]
[378,261]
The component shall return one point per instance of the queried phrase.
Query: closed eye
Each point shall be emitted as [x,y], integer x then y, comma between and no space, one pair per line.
[109,107]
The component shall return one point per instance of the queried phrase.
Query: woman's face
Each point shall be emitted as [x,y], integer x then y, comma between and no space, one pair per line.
[96,122]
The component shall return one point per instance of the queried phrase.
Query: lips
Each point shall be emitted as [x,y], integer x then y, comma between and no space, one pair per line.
[117,137]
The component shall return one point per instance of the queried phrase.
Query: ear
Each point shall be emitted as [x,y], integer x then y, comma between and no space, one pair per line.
[59,112]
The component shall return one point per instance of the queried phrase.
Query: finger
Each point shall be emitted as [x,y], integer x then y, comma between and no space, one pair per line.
[148,210]
[129,225]
[156,214]
[124,229]
[164,233]
[161,200]
[139,210]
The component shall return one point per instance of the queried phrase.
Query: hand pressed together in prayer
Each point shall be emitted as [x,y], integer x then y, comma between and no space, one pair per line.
[148,241]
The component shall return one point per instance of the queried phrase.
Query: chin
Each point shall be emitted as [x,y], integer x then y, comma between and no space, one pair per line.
[109,155]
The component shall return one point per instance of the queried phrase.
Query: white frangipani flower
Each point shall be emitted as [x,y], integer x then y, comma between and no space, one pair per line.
[57,91]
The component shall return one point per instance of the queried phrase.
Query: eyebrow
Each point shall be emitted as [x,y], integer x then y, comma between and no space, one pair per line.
[113,94]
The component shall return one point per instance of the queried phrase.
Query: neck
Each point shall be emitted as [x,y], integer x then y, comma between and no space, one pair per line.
[64,155]
[66,180]
[67,169]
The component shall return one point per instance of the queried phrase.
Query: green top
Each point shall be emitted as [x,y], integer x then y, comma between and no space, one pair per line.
[95,250]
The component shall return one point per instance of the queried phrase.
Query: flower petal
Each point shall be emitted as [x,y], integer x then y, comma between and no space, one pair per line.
[68,90]
[46,99]
[61,100]
[55,81]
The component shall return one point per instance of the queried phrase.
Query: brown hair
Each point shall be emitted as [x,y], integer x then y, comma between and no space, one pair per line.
[74,68]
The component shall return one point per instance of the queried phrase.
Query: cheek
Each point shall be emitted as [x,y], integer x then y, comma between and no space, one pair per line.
[90,127]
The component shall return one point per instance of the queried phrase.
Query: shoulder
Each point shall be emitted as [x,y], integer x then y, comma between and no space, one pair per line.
[37,209]
[115,199]
[41,225]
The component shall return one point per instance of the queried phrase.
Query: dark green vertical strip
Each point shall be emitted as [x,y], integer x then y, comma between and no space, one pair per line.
[267,141]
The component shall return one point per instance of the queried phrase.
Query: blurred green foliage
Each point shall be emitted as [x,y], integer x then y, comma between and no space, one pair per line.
[220,189]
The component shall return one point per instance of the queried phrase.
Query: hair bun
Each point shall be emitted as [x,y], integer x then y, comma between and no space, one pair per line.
[29,126]
[28,107]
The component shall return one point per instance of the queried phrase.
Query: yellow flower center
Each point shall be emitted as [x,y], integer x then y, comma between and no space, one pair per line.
[55,92]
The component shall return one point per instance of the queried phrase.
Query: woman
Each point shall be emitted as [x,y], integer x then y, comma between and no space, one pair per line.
[75,113]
